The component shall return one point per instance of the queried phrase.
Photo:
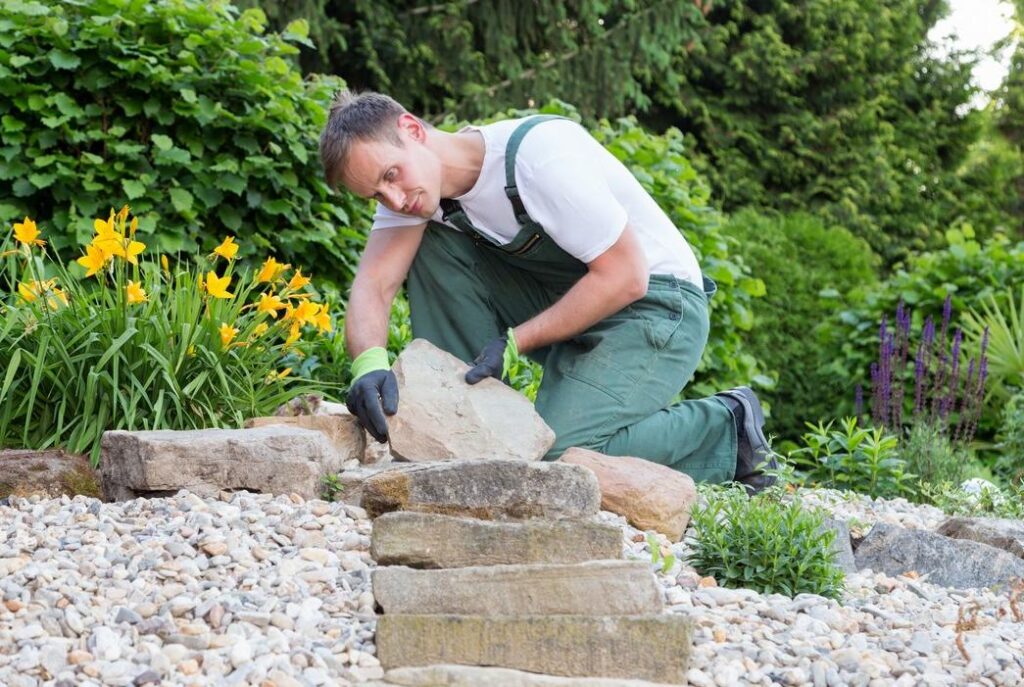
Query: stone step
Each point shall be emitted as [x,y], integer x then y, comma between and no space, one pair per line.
[475,676]
[486,489]
[593,588]
[343,431]
[653,647]
[267,460]
[426,540]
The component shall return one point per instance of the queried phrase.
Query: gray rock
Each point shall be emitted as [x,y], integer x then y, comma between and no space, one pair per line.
[485,489]
[841,544]
[948,562]
[1001,533]
[474,676]
[442,417]
[593,588]
[426,540]
[343,431]
[273,459]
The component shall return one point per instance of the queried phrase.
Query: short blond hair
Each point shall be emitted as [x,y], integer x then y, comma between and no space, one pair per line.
[356,117]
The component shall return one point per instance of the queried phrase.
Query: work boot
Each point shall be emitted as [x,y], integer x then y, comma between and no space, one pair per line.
[753,453]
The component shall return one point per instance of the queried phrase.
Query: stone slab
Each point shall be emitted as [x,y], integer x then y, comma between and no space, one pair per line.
[592,588]
[655,648]
[475,676]
[441,417]
[49,473]
[343,431]
[485,489]
[269,460]
[1001,533]
[426,540]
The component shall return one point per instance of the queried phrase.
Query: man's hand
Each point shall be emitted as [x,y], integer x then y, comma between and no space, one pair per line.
[490,362]
[374,392]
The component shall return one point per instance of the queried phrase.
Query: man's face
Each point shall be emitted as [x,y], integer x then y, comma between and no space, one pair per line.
[404,178]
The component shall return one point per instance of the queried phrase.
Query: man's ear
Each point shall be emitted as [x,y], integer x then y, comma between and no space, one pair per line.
[412,126]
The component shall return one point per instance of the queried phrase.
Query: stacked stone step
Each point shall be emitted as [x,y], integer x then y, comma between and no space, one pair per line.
[499,563]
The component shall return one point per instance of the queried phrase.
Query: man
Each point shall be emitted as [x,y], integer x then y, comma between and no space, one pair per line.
[529,228]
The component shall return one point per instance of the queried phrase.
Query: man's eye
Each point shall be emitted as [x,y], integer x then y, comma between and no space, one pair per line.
[390,176]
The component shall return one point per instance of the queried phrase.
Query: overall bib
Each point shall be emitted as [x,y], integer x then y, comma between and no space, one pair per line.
[605,389]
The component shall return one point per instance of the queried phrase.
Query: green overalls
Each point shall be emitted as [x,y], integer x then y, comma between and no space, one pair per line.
[605,389]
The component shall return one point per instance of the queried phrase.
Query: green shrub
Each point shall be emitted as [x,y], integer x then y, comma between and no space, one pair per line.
[764,544]
[806,267]
[1001,318]
[991,501]
[853,458]
[188,110]
[928,453]
[1010,462]
[142,344]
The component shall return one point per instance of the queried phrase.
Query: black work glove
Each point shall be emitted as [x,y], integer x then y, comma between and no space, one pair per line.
[371,397]
[490,362]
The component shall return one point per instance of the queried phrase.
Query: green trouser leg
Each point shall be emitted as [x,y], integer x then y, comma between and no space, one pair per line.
[607,388]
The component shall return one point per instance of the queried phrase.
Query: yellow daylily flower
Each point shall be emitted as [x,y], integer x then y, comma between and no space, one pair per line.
[270,304]
[31,291]
[26,232]
[278,376]
[135,293]
[104,226]
[164,264]
[297,281]
[122,214]
[305,313]
[293,333]
[107,239]
[227,333]
[132,249]
[218,286]
[323,320]
[133,227]
[227,248]
[271,270]
[93,260]
[260,329]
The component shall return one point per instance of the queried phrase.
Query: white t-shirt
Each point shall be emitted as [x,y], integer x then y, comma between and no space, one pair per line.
[574,188]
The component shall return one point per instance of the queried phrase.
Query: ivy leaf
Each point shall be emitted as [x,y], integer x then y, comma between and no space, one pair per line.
[64,60]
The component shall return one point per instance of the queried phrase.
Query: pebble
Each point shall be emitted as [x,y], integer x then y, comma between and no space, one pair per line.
[254,589]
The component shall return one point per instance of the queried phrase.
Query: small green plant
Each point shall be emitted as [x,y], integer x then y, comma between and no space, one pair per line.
[854,458]
[657,558]
[988,501]
[930,454]
[1010,462]
[522,374]
[764,544]
[332,486]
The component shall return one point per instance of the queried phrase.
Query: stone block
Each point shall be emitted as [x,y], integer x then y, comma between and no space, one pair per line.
[343,431]
[475,676]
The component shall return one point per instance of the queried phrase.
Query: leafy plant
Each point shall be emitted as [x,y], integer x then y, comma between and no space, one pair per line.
[764,544]
[665,562]
[989,501]
[855,458]
[1010,462]
[188,108]
[1001,322]
[929,454]
[141,344]
[523,374]
[332,486]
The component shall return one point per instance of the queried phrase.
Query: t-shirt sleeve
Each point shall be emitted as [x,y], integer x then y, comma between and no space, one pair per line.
[567,193]
[383,218]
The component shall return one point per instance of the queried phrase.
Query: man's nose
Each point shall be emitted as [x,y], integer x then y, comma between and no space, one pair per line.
[395,198]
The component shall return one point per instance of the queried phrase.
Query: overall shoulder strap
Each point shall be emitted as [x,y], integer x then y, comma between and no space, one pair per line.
[511,149]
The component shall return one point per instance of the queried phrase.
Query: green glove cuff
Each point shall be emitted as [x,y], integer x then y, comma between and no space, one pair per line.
[371,359]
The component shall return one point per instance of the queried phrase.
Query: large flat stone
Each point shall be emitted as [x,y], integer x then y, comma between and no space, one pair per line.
[485,489]
[49,473]
[273,459]
[592,588]
[655,647]
[426,540]
[441,417]
[343,431]
[474,676]
[948,562]
[648,495]
[1001,533]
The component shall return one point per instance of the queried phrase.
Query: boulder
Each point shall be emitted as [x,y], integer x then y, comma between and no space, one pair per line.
[592,588]
[273,459]
[441,417]
[475,676]
[653,647]
[841,545]
[425,540]
[49,473]
[343,431]
[948,562]
[374,453]
[648,495]
[1001,533]
[485,489]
